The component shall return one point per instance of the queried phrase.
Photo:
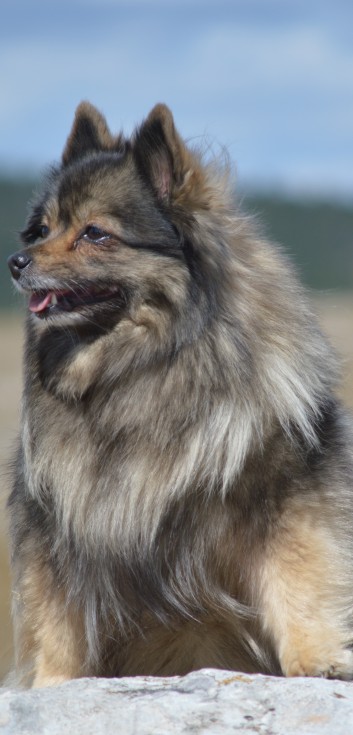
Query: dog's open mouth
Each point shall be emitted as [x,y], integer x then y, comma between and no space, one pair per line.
[43,303]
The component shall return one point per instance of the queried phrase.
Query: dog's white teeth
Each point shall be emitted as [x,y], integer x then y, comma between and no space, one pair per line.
[54,299]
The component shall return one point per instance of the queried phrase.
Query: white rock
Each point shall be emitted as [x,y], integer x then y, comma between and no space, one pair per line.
[204,702]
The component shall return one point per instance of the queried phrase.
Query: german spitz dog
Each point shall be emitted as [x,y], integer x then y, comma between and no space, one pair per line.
[183,491]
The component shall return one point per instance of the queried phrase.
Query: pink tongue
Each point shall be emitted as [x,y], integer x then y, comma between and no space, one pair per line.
[38,302]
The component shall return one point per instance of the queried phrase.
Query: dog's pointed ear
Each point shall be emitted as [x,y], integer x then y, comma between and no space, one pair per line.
[89,132]
[161,153]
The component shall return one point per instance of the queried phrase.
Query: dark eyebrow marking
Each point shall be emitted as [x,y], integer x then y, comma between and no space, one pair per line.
[30,233]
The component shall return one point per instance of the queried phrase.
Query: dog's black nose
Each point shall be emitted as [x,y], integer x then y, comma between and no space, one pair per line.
[17,263]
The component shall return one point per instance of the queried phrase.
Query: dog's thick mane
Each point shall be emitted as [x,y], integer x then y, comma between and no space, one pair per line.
[217,364]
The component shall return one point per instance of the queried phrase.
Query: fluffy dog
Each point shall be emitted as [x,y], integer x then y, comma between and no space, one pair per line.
[183,484]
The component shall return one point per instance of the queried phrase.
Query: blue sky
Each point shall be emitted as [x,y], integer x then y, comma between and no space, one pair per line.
[272,80]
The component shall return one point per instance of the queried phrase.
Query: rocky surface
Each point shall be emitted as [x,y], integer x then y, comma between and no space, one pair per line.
[204,702]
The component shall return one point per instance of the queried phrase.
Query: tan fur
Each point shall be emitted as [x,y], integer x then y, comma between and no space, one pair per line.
[49,637]
[302,582]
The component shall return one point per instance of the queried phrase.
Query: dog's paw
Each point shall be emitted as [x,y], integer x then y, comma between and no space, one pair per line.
[339,666]
[49,681]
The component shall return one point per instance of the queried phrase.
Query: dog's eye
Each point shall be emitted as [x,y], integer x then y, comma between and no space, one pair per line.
[95,234]
[43,231]
[36,232]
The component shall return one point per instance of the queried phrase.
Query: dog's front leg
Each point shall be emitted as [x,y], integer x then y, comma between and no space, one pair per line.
[49,636]
[305,594]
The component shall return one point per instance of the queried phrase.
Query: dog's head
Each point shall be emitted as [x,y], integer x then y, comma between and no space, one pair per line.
[116,225]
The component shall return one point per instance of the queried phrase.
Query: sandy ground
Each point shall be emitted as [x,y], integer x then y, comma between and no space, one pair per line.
[335,313]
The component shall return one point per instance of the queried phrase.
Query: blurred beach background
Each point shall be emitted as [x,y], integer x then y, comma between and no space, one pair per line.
[269,80]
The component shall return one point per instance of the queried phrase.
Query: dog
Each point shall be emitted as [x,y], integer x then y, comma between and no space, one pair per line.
[182,492]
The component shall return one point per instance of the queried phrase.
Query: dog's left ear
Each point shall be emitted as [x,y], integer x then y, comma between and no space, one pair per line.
[89,132]
[161,153]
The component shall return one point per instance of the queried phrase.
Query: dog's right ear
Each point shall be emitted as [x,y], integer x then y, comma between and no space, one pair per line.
[161,153]
[89,132]
[174,170]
